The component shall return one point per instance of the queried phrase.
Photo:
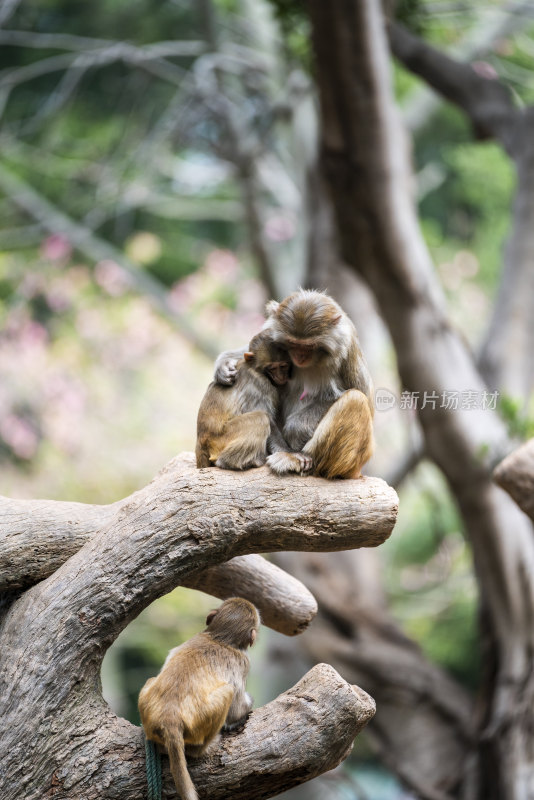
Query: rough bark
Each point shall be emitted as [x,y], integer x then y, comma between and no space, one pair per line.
[60,739]
[364,156]
[423,724]
[38,536]
[304,732]
[516,475]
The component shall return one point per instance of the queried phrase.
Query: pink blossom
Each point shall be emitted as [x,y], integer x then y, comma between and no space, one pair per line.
[56,248]
[19,435]
[111,277]
[183,293]
[33,335]
[485,70]
[280,228]
[222,264]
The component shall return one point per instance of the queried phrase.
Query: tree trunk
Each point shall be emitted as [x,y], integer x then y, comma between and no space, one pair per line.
[365,158]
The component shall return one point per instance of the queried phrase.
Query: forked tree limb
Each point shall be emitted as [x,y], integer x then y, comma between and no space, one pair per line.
[516,474]
[59,738]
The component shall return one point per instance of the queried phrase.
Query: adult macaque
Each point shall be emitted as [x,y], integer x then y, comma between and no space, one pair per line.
[201,688]
[237,424]
[327,408]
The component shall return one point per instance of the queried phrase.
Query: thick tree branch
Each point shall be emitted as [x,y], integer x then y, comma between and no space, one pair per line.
[285,603]
[304,732]
[516,475]
[184,521]
[38,536]
[499,24]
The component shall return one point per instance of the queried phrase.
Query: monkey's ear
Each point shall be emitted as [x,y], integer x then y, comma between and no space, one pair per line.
[271,308]
[248,356]
[211,616]
[336,319]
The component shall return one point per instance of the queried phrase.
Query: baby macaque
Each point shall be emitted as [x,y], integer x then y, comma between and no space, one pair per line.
[237,424]
[327,410]
[201,688]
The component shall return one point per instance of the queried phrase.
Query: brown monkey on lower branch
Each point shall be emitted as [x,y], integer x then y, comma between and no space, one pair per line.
[201,688]
[237,425]
[327,409]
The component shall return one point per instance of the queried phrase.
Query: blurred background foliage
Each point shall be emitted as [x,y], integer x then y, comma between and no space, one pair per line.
[176,133]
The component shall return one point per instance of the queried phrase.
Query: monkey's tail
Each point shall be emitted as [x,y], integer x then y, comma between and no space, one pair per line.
[175,748]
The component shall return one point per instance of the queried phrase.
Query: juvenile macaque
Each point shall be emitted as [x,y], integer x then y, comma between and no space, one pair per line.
[326,410]
[201,688]
[237,424]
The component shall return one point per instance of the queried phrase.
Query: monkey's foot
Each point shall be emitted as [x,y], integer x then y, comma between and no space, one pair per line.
[282,463]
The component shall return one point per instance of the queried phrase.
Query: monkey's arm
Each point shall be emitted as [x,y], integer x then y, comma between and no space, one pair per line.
[282,458]
[240,709]
[276,441]
[226,366]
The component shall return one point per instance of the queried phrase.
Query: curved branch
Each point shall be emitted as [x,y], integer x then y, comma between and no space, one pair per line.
[92,754]
[285,604]
[516,474]
[184,521]
[55,635]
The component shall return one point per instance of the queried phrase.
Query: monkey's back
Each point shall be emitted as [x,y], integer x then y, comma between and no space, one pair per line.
[251,391]
[193,690]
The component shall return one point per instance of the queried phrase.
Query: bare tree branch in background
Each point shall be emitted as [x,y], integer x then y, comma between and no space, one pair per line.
[96,249]
[500,23]
[507,355]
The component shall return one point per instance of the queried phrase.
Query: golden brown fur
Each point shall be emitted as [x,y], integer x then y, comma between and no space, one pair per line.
[200,688]
[235,423]
[327,411]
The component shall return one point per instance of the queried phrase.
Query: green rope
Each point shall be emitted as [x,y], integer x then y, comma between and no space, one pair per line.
[153,770]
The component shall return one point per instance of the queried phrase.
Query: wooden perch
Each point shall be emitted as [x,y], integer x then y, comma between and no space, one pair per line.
[301,734]
[40,535]
[516,474]
[59,738]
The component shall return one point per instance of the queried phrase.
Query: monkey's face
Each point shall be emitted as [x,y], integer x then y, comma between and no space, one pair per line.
[305,324]
[278,372]
[266,357]
[302,356]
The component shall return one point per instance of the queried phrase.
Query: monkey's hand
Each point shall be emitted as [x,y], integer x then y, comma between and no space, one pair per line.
[226,367]
[282,463]
[231,727]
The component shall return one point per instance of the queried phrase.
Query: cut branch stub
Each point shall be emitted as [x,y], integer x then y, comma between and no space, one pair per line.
[284,603]
[516,474]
